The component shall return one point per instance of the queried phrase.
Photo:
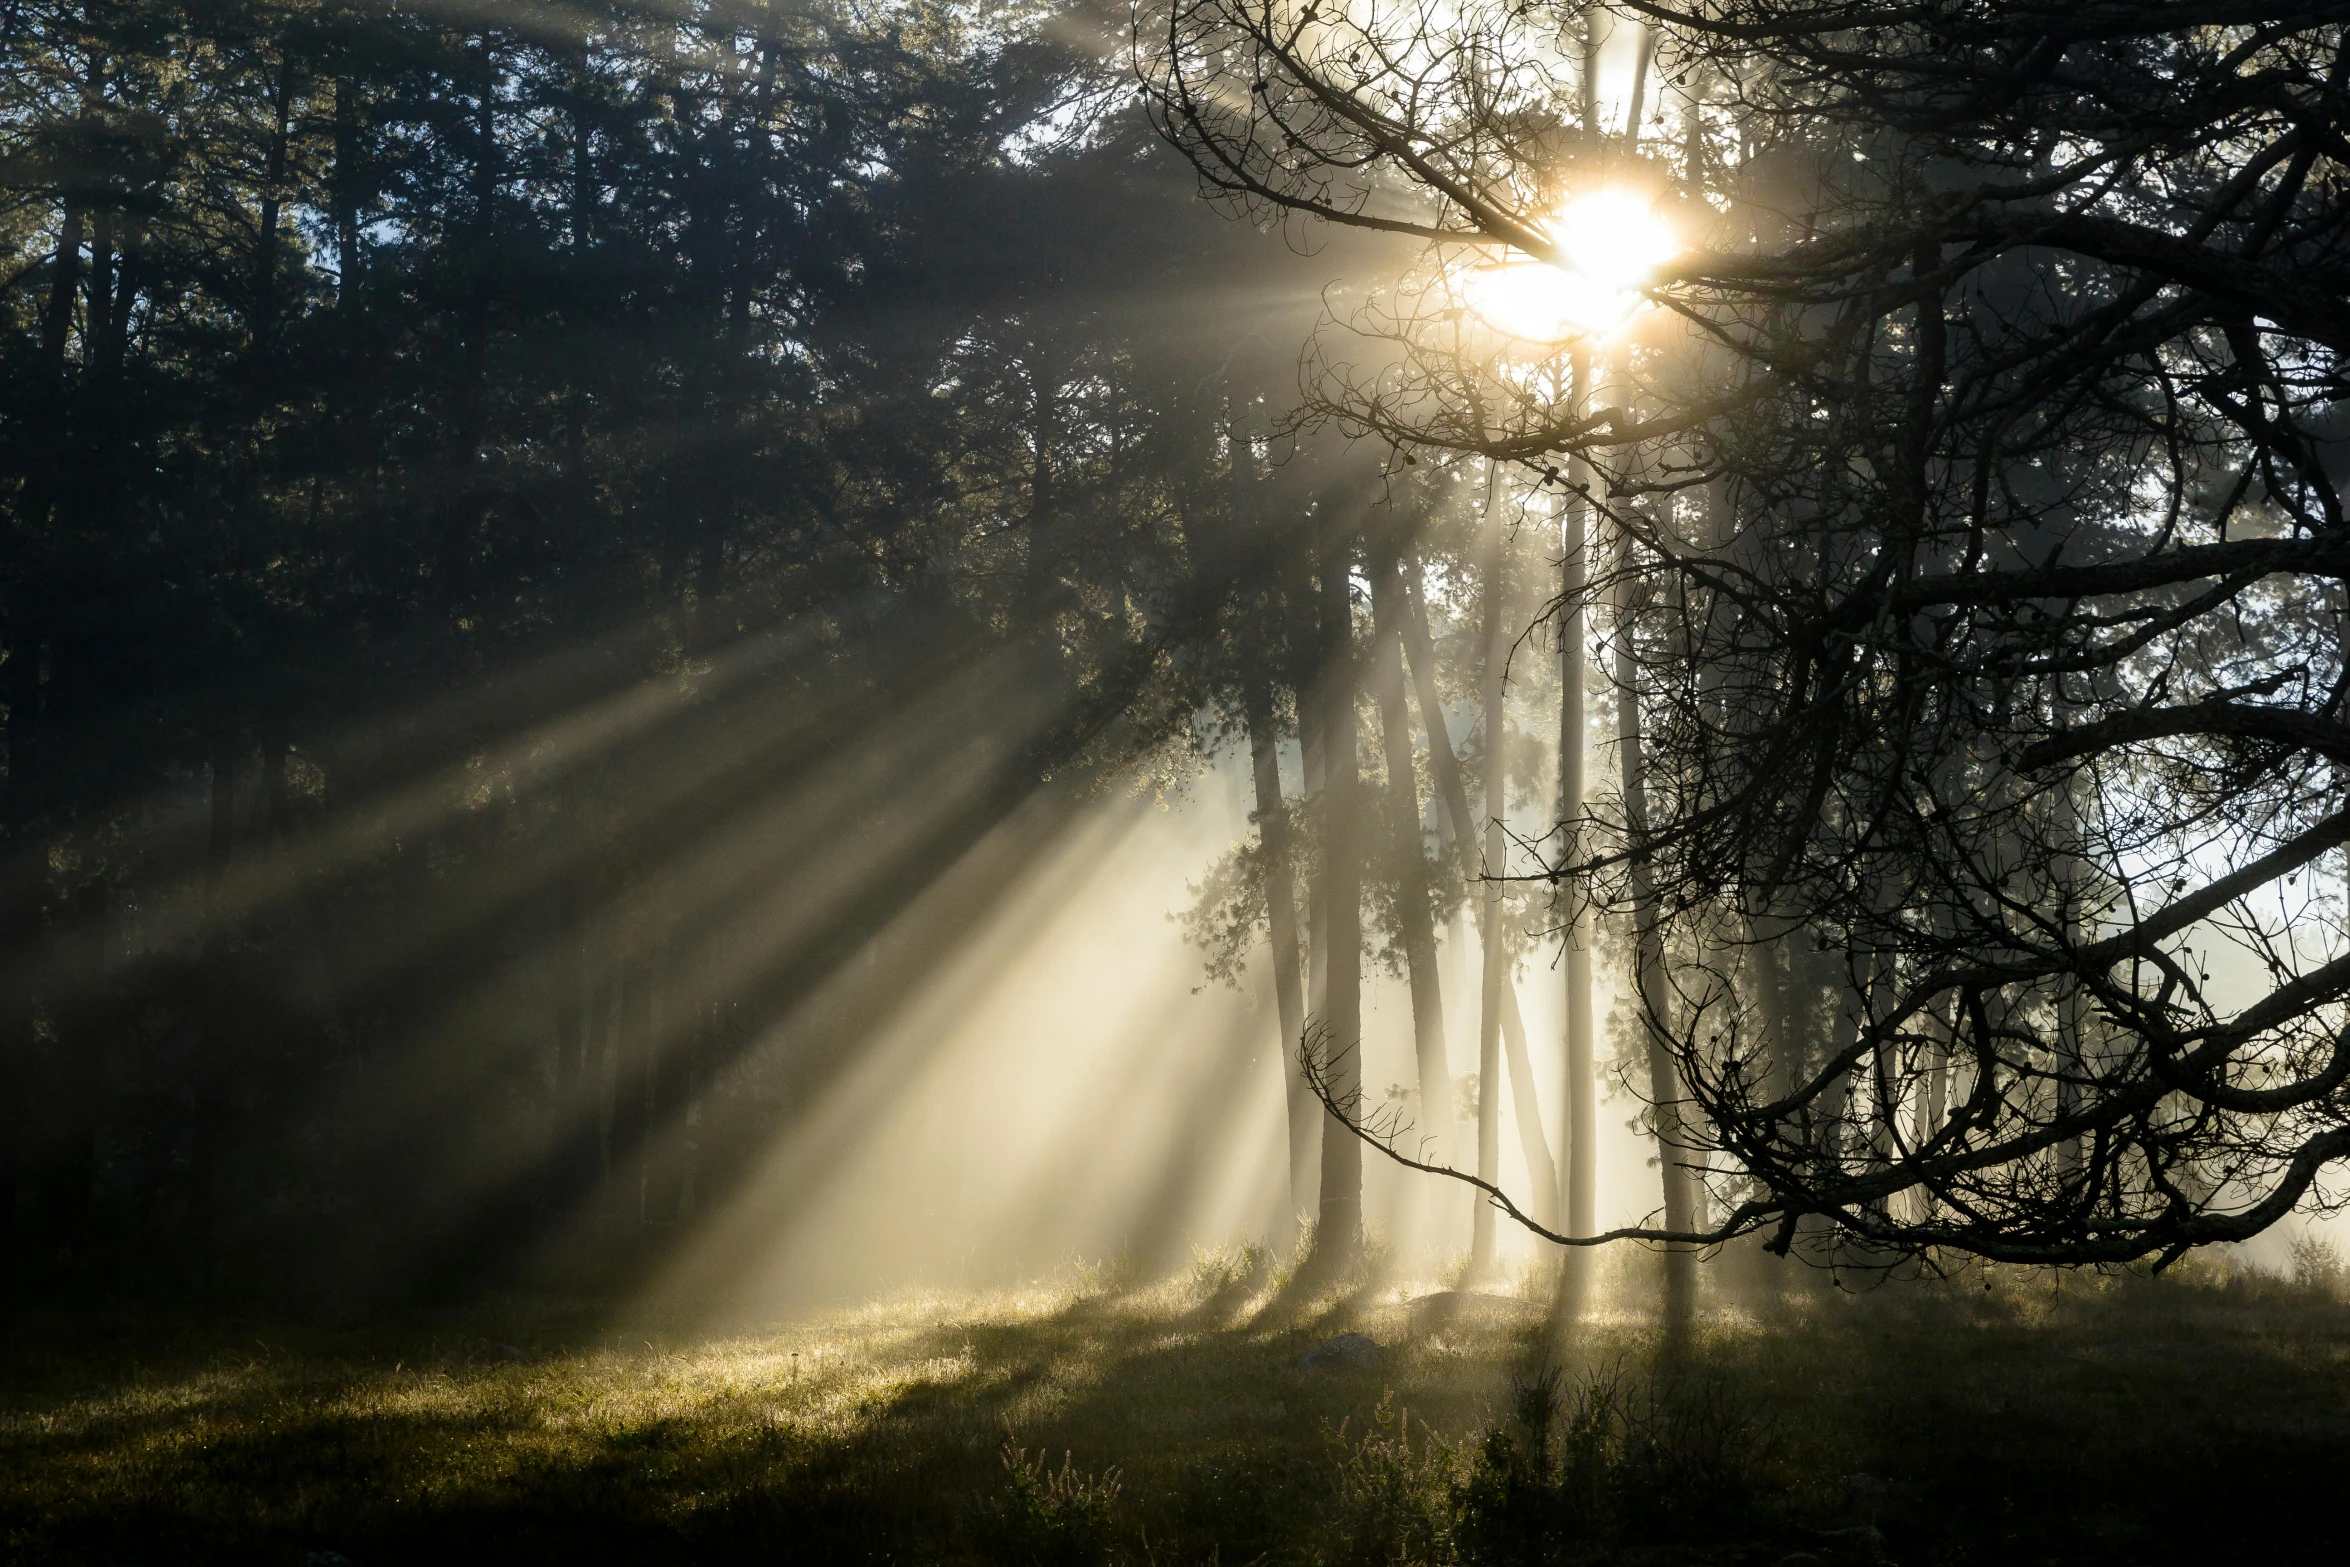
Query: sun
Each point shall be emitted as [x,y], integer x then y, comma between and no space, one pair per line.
[1610,242]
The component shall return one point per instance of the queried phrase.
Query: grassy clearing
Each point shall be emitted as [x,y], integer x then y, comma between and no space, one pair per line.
[2033,1419]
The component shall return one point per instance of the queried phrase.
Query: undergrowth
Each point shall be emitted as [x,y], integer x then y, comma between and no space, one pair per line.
[1997,1418]
[1049,1517]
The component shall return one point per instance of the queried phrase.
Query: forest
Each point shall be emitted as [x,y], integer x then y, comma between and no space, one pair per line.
[1290,781]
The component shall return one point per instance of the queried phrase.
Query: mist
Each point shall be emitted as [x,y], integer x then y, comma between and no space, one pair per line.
[1204,781]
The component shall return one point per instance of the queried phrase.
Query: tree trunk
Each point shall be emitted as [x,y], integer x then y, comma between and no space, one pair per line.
[1827,1132]
[632,1094]
[701,1051]
[580,223]
[1281,925]
[2070,1062]
[1937,1084]
[1259,604]
[1664,1080]
[277,810]
[1578,1200]
[1409,866]
[1339,1223]
[265,254]
[345,195]
[1445,768]
[569,1010]
[64,280]
[606,1065]
[1526,1110]
[21,887]
[98,330]
[220,840]
[1305,1143]
[466,501]
[1494,974]
[20,683]
[1042,591]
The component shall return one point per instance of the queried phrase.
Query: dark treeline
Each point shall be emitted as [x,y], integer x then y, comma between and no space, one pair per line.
[535,534]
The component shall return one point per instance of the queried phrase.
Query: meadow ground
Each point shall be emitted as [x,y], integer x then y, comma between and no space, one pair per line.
[1991,1419]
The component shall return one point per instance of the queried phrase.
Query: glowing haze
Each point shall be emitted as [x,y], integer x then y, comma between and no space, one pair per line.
[1612,242]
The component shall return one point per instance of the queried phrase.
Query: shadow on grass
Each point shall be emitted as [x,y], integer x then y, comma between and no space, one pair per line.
[2122,1421]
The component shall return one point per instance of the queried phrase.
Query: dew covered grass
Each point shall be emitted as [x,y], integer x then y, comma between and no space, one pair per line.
[2019,1419]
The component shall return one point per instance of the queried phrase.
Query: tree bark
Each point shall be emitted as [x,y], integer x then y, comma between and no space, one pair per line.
[1578,1199]
[1445,768]
[1257,606]
[1827,1131]
[220,839]
[466,501]
[21,887]
[98,333]
[1339,1223]
[265,257]
[1305,1143]
[1664,1082]
[64,280]
[606,1065]
[1281,926]
[2066,831]
[1415,920]
[1494,974]
[570,1010]
[345,195]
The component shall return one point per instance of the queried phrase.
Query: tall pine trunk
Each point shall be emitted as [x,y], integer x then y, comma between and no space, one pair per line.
[1578,1199]
[1305,1139]
[1408,862]
[1257,607]
[1281,925]
[1339,1220]
[1494,974]
[1445,769]
[1655,1019]
[220,834]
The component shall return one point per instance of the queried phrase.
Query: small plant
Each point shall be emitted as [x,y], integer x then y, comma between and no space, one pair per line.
[1105,1275]
[1569,1476]
[1526,1496]
[1394,1492]
[1056,1517]
[1229,1270]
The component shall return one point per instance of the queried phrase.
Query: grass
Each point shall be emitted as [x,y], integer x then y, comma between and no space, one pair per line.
[1987,1420]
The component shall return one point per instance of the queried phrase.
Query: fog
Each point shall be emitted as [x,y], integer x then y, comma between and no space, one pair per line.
[1068,1091]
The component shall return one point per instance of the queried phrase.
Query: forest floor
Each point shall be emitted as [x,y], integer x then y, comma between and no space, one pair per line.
[1991,1419]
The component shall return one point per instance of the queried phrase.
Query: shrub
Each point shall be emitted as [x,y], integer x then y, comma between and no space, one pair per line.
[2318,1266]
[1055,1517]
[1569,1476]
[1395,1492]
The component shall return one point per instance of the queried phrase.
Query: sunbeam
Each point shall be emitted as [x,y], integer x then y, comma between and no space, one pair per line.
[1492,781]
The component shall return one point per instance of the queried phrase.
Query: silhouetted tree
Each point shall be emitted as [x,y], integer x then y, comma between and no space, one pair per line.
[1974,498]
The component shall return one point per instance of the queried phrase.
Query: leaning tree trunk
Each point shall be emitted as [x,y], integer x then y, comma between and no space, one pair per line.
[1445,768]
